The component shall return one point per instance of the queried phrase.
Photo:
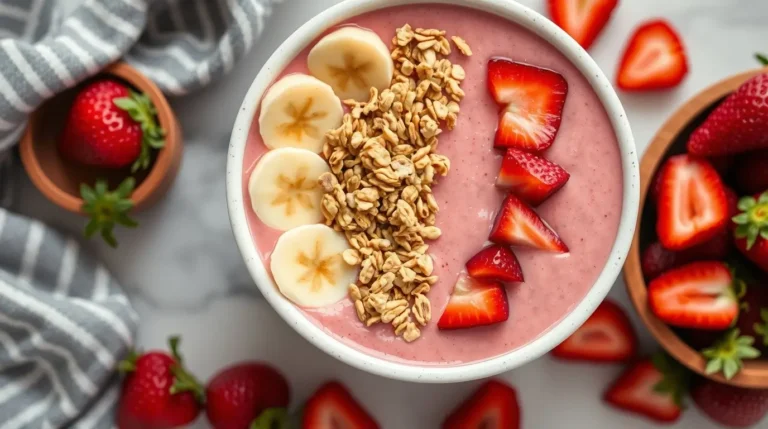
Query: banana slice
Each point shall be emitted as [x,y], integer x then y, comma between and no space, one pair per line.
[352,60]
[297,111]
[284,189]
[308,267]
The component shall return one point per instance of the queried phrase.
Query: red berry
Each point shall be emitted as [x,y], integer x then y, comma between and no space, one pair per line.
[730,405]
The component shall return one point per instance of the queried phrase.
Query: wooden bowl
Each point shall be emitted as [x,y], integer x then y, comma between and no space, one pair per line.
[59,180]
[671,140]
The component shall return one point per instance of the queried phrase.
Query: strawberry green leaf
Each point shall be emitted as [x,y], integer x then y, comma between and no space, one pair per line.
[740,219]
[183,380]
[729,353]
[141,109]
[676,378]
[752,232]
[107,209]
[273,418]
[762,59]
[763,198]
[746,203]
[761,328]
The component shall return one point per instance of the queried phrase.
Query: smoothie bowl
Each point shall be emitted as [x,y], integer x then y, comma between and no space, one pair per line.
[432,191]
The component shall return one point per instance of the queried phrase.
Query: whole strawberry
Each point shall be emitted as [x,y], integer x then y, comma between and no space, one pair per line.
[158,393]
[751,232]
[240,394]
[729,405]
[111,126]
[738,124]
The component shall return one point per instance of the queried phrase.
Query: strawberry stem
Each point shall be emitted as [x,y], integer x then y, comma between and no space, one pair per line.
[762,59]
[107,209]
[142,110]
[728,353]
[129,363]
[184,380]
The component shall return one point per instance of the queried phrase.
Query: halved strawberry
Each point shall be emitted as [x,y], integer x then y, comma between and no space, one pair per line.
[653,389]
[332,406]
[698,295]
[532,100]
[495,263]
[474,303]
[582,19]
[532,178]
[692,206]
[493,406]
[607,336]
[516,224]
[654,59]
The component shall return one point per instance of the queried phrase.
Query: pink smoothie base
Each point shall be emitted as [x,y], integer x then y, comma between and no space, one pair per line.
[585,213]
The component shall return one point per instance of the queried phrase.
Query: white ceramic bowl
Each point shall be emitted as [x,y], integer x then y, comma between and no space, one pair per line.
[535,23]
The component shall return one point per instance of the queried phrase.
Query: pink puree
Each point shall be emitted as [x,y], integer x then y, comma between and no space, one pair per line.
[585,212]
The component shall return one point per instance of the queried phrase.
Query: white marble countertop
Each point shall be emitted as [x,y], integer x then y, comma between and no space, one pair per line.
[184,274]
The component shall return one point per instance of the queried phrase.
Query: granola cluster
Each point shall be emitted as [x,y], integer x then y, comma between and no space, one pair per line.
[384,163]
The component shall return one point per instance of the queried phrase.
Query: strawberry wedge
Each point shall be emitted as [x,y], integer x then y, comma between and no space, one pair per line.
[607,336]
[495,263]
[645,390]
[582,19]
[654,59]
[493,406]
[692,206]
[697,295]
[532,178]
[532,100]
[517,224]
[474,303]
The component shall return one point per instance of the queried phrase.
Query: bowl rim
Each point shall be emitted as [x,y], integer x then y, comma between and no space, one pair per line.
[514,12]
[754,374]
[164,162]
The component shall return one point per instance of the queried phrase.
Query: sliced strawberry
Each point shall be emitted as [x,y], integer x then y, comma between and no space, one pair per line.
[493,406]
[692,205]
[649,391]
[654,59]
[697,295]
[582,19]
[532,100]
[332,406]
[495,263]
[516,224]
[607,336]
[532,178]
[474,303]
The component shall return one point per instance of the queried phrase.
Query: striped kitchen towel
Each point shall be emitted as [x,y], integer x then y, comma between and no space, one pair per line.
[64,321]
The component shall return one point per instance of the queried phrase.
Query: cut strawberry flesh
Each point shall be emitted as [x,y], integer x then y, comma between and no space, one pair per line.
[635,391]
[654,59]
[582,19]
[532,178]
[697,295]
[532,100]
[692,206]
[517,224]
[495,263]
[493,406]
[607,336]
[332,406]
[474,303]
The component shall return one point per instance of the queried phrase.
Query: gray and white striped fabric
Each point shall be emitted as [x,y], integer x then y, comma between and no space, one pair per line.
[64,321]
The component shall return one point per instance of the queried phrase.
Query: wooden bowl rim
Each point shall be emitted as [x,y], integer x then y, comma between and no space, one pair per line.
[160,168]
[755,373]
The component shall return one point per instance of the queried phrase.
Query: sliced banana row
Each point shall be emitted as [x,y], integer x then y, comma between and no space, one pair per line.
[295,114]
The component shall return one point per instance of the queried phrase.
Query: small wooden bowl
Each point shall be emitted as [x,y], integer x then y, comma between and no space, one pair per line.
[670,140]
[59,180]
